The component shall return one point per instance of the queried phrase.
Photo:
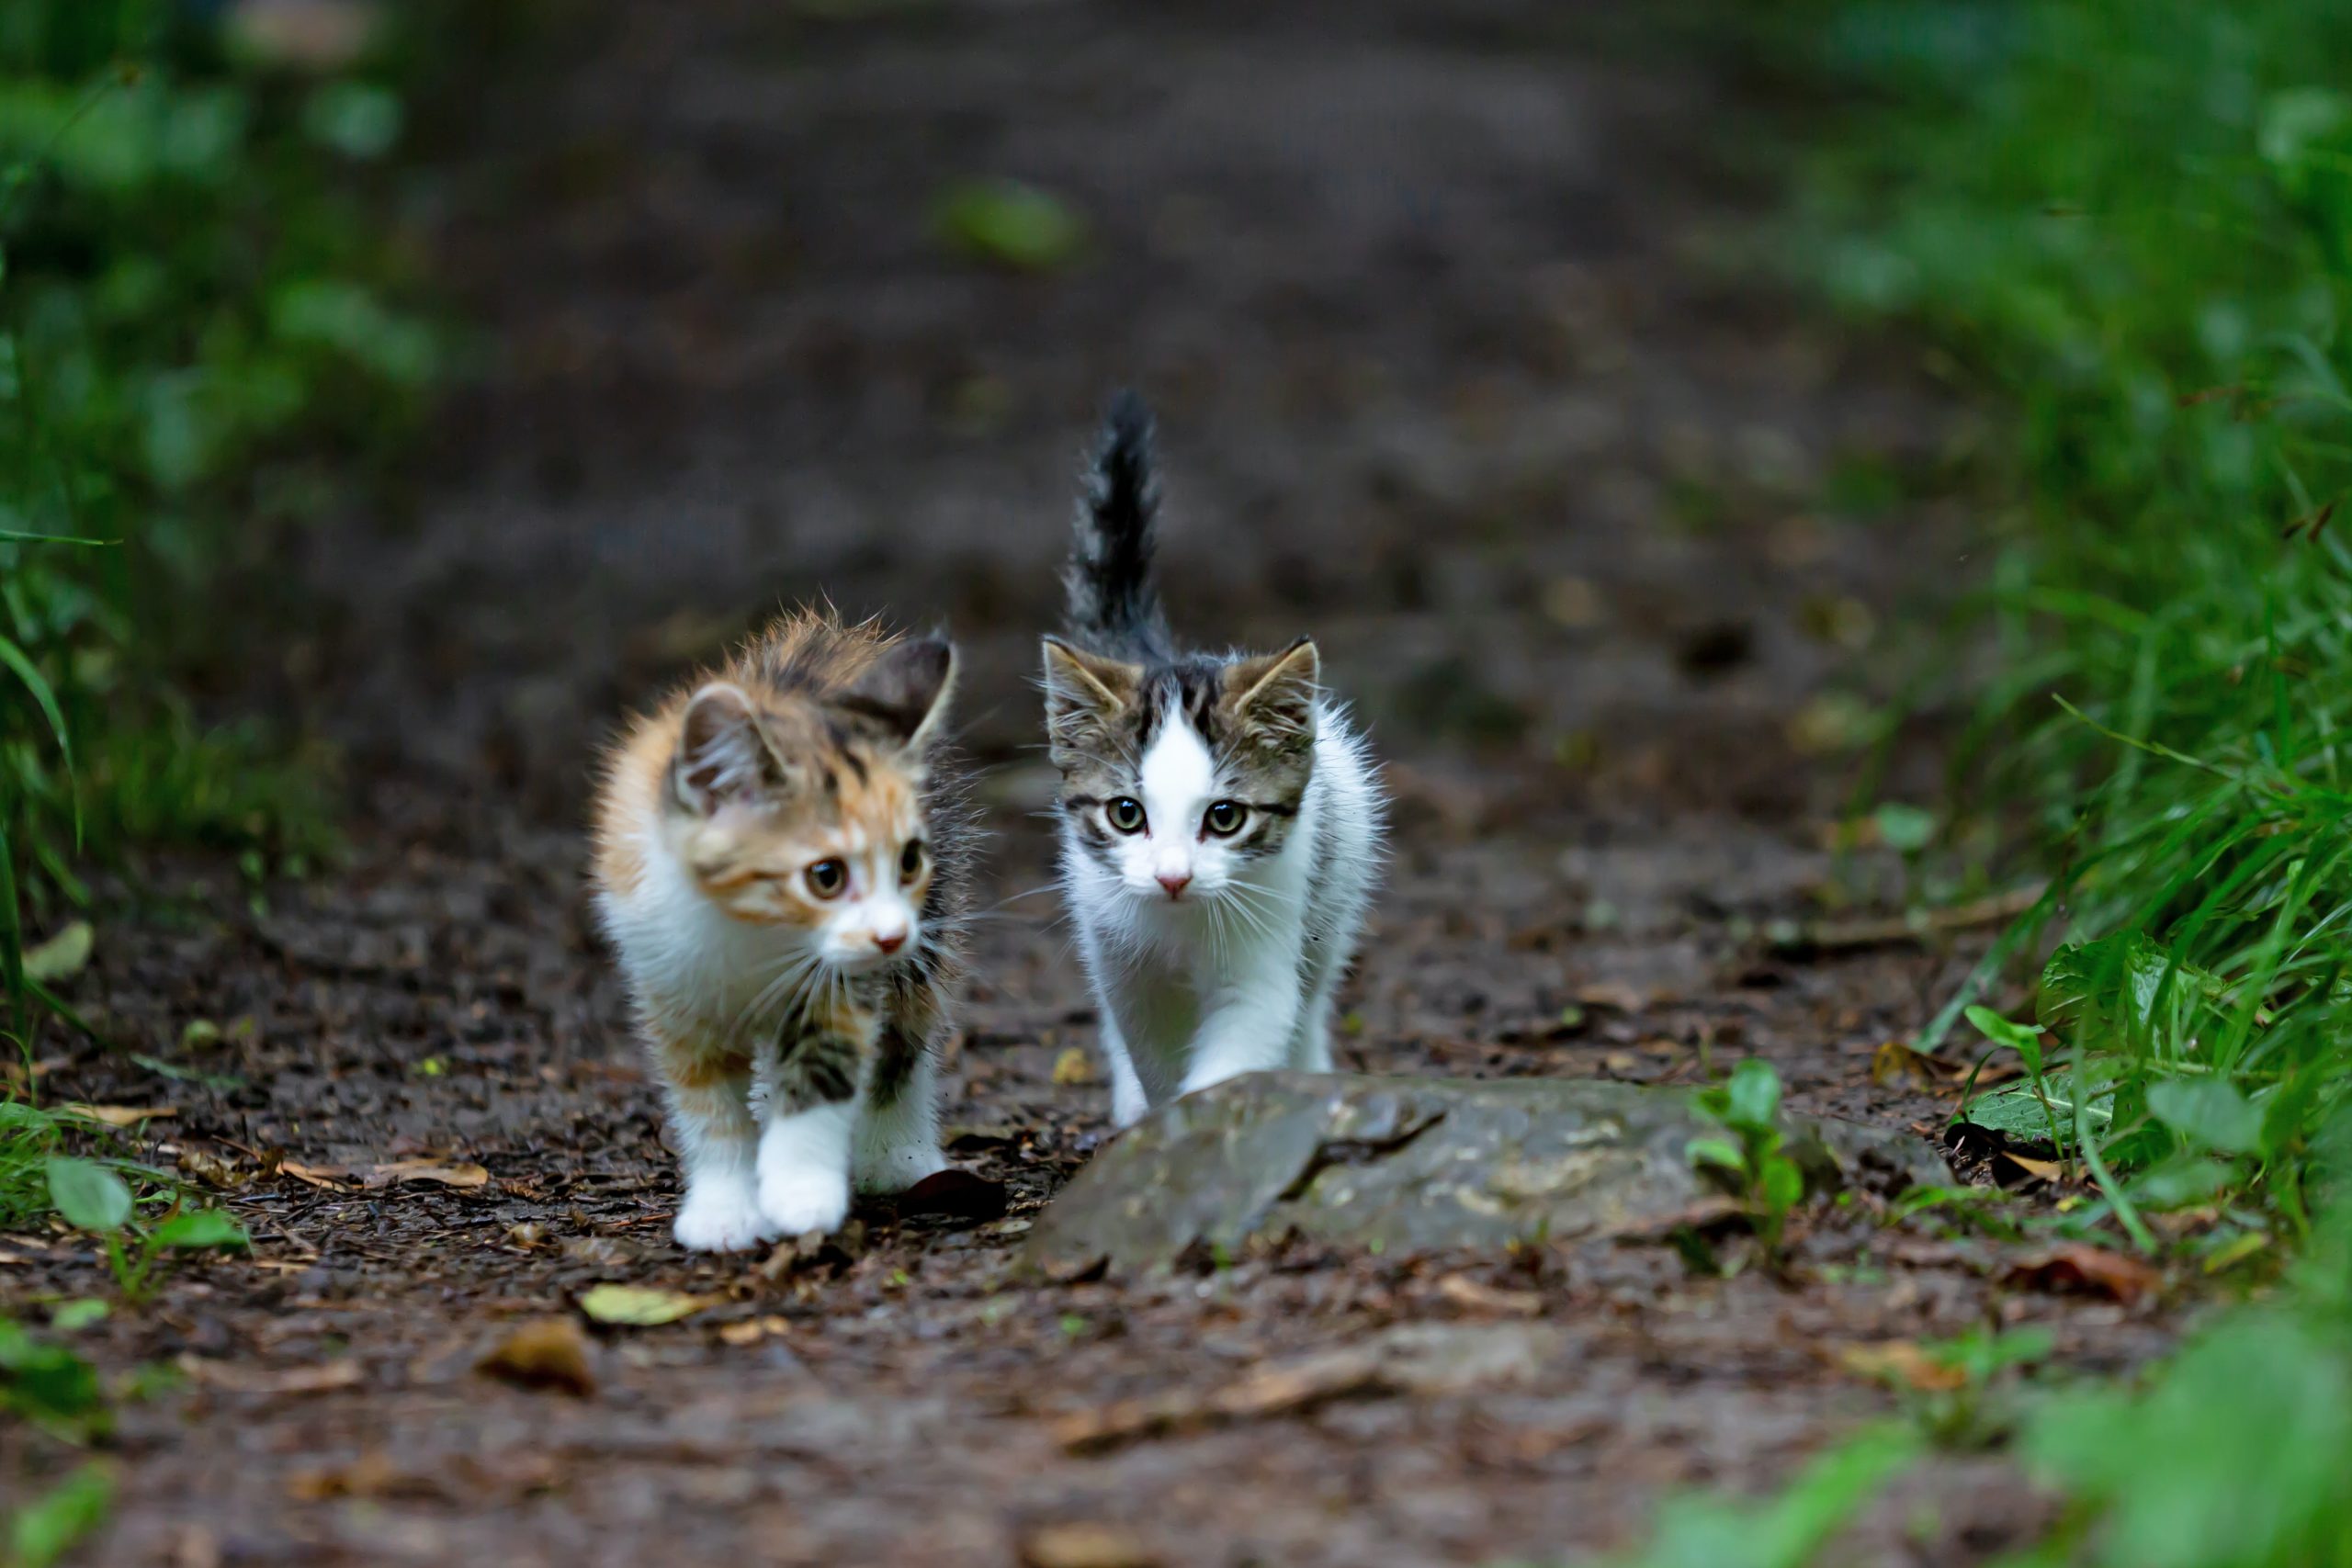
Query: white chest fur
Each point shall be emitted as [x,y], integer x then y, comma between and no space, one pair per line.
[1239,979]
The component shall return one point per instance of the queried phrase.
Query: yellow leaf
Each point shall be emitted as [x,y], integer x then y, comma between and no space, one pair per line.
[1901,1362]
[640,1306]
[2229,1255]
[1073,1067]
[63,956]
[120,1115]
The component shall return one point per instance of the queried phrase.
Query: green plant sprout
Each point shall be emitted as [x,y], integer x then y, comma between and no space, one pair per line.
[1749,1157]
[92,1197]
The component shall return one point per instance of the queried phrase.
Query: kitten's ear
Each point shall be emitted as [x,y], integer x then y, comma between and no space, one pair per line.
[904,693]
[1272,695]
[1084,693]
[723,755]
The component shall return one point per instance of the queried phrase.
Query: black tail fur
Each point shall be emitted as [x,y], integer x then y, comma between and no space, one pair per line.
[1114,593]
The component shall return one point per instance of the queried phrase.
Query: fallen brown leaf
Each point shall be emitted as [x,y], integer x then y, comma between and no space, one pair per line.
[1897,1062]
[233,1379]
[1085,1545]
[1474,1296]
[2036,1170]
[1613,995]
[120,1115]
[1901,1362]
[316,1176]
[448,1173]
[1410,1358]
[209,1168]
[543,1353]
[2081,1270]
[751,1330]
[369,1475]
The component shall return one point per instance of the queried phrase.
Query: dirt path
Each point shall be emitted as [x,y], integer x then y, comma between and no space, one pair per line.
[1444,375]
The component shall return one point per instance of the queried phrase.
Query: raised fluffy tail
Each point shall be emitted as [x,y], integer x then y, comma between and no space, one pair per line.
[1114,593]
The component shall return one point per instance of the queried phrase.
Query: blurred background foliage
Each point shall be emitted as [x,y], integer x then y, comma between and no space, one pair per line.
[2127,224]
[205,331]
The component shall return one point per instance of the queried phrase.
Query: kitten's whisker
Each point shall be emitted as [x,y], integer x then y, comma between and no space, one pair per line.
[1017,897]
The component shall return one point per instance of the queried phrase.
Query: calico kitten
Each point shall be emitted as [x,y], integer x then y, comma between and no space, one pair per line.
[781,863]
[1220,819]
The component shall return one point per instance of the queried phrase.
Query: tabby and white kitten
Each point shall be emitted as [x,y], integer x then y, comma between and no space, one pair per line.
[1220,819]
[781,863]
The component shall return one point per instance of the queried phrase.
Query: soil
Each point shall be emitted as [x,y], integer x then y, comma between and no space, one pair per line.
[1457,368]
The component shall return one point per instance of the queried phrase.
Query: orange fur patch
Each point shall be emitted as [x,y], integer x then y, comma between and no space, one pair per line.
[845,783]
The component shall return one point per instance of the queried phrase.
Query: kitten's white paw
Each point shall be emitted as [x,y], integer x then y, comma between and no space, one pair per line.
[898,1168]
[1129,1104]
[798,1199]
[722,1216]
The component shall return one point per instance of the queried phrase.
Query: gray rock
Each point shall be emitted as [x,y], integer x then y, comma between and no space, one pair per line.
[1412,1165]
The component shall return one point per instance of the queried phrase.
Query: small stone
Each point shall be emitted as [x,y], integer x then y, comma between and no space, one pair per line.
[957,1194]
[1412,1165]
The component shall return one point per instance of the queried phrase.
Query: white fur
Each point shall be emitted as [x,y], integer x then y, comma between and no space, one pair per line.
[804,1168]
[1235,973]
[751,1176]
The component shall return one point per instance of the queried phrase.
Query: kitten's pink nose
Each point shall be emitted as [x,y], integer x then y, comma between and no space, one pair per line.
[890,941]
[1175,882]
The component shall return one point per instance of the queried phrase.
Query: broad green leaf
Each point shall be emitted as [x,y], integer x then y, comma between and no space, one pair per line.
[2182,1182]
[2210,1111]
[2235,1452]
[2123,983]
[46,1530]
[2026,1041]
[72,1318]
[639,1307]
[1907,830]
[1783,1185]
[1011,223]
[195,1230]
[16,1116]
[63,956]
[2015,1111]
[88,1195]
[42,1381]
[1719,1152]
[1755,1095]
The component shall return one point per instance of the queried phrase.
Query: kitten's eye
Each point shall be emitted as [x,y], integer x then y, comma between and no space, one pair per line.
[910,860]
[826,878]
[1225,818]
[1125,814]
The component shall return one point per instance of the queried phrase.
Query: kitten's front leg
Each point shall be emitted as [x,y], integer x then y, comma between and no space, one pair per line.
[1246,1031]
[812,1088]
[711,1119]
[898,1131]
[1128,1101]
